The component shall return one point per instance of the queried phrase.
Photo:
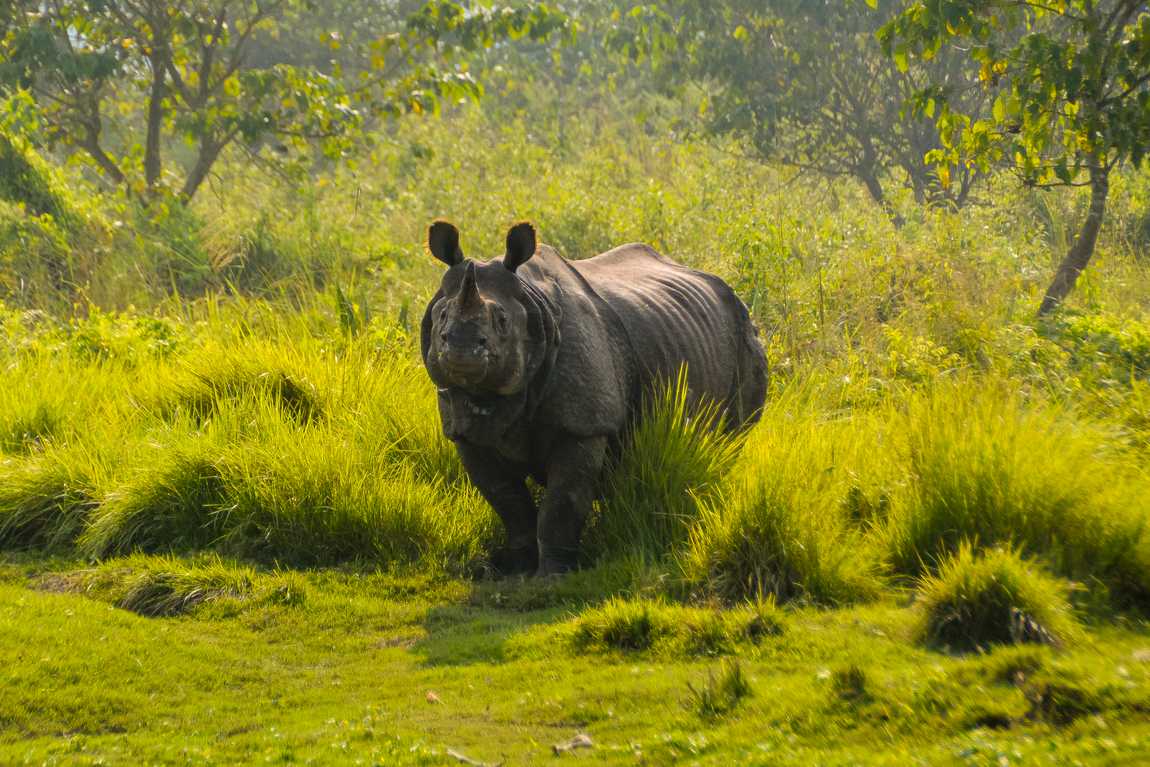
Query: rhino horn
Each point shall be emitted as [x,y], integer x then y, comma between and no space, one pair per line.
[469,297]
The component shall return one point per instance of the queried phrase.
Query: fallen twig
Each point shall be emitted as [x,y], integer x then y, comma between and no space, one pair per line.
[579,741]
[468,760]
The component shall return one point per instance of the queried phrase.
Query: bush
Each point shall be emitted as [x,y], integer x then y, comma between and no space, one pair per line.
[994,598]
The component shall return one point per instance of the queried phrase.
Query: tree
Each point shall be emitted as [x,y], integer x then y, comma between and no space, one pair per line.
[1071,89]
[91,62]
[806,82]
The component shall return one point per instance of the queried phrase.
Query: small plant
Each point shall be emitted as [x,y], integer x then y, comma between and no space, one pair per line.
[721,693]
[993,598]
[761,619]
[849,683]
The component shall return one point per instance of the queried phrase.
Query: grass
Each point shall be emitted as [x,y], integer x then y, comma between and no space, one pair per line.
[231,529]
[722,692]
[992,598]
[343,674]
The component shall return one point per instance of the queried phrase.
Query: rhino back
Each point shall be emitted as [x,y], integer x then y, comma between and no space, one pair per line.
[674,315]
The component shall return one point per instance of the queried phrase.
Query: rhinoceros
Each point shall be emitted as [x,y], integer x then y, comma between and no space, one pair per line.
[544,364]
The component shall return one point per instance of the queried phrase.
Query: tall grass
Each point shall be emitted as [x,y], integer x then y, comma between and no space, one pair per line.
[914,403]
[781,527]
[978,600]
[674,462]
[988,467]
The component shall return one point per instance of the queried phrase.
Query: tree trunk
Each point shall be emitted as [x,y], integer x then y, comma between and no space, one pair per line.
[874,186]
[209,152]
[153,163]
[1079,255]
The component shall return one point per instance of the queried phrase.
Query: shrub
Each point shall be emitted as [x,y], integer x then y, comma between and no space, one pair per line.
[994,598]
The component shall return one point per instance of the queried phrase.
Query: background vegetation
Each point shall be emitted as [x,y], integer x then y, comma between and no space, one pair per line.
[212,404]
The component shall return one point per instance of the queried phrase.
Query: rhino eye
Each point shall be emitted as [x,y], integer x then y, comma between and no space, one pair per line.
[501,321]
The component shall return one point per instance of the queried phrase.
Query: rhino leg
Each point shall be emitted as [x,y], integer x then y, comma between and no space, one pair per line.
[504,486]
[573,470]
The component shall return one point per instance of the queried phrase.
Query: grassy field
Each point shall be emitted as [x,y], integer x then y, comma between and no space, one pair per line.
[231,531]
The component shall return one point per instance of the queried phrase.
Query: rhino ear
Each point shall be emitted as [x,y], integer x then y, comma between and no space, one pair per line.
[520,245]
[443,242]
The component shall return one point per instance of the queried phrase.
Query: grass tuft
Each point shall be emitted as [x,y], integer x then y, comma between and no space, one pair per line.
[985,468]
[849,683]
[675,459]
[721,693]
[166,586]
[978,600]
[45,500]
[172,506]
[620,624]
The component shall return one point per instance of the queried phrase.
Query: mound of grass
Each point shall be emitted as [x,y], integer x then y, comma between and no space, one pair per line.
[978,600]
[166,586]
[721,693]
[676,459]
[780,529]
[45,501]
[987,468]
[307,500]
[620,624]
[225,373]
[673,630]
[174,505]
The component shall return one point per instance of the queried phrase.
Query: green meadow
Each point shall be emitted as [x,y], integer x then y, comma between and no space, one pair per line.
[232,531]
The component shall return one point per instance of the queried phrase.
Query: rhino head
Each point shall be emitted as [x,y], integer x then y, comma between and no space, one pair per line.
[486,330]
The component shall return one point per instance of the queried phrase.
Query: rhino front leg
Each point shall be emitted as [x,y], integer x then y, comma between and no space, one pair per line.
[573,470]
[504,486]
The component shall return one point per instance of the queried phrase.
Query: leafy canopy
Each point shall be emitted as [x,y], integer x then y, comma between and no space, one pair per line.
[105,72]
[1070,82]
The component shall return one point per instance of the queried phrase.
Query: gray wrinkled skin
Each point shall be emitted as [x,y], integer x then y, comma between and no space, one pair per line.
[542,365]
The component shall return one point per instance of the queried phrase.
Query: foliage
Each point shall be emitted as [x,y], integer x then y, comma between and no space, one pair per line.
[1071,87]
[807,85]
[88,62]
